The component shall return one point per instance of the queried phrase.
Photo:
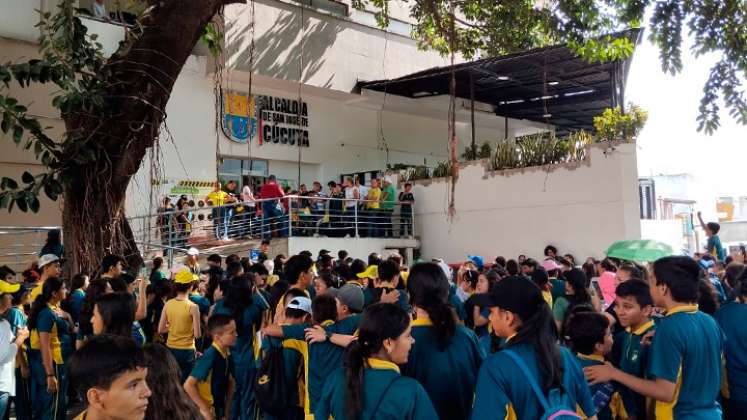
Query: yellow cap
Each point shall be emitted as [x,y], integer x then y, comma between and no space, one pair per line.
[6,287]
[372,272]
[185,277]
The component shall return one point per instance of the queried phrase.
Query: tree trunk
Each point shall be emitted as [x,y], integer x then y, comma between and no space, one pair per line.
[143,71]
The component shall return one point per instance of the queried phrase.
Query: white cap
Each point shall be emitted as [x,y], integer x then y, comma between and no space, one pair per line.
[300,302]
[46,259]
[193,252]
[269,265]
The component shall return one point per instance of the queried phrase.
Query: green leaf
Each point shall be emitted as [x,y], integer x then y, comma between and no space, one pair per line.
[33,202]
[4,200]
[22,204]
[8,184]
[17,134]
[27,178]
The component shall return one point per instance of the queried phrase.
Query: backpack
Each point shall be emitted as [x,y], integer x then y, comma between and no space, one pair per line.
[271,388]
[555,407]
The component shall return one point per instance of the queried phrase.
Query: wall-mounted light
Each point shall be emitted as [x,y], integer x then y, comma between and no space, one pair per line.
[553,83]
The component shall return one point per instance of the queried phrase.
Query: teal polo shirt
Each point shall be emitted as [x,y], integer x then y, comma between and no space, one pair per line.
[448,375]
[732,317]
[503,392]
[320,359]
[687,351]
[558,288]
[202,302]
[373,295]
[292,368]
[213,372]
[386,395]
[633,359]
[614,408]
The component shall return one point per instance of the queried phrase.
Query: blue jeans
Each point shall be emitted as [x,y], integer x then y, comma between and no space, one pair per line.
[4,406]
[221,221]
[271,219]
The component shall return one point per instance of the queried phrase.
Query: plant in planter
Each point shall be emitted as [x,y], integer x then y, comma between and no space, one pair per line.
[613,124]
[442,169]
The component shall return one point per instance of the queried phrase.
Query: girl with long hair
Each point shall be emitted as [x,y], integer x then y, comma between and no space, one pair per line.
[53,245]
[370,386]
[95,289]
[519,314]
[169,400]
[246,306]
[114,313]
[78,286]
[576,293]
[48,323]
[446,356]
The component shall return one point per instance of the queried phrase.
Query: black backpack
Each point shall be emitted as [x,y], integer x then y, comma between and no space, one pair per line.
[272,390]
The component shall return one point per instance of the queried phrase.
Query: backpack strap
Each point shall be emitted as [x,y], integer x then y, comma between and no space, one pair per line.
[383,394]
[529,377]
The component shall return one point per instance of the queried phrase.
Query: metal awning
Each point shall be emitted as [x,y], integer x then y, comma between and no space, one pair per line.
[548,85]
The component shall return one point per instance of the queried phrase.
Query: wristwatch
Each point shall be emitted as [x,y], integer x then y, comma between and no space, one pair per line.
[328,335]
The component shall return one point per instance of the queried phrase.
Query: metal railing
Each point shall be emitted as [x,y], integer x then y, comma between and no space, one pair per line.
[175,231]
[20,245]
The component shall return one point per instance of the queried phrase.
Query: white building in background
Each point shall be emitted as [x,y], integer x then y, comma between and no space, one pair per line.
[312,75]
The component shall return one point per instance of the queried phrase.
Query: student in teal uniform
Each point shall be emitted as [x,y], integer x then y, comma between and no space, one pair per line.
[633,305]
[78,284]
[247,307]
[321,357]
[211,380]
[446,357]
[731,317]
[383,280]
[297,312]
[47,323]
[590,338]
[713,247]
[17,318]
[114,313]
[686,354]
[370,385]
[519,313]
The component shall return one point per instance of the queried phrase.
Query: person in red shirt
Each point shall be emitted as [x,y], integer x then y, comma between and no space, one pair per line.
[271,211]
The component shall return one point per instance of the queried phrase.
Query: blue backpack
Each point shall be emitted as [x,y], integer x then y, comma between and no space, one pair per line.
[554,405]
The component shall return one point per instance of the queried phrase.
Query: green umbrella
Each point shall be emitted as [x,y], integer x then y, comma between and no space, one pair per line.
[639,250]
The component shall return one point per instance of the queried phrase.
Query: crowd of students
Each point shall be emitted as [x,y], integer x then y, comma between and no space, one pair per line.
[350,339]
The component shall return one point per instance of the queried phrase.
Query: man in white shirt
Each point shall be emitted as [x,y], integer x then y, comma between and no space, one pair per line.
[249,212]
[352,195]
[99,10]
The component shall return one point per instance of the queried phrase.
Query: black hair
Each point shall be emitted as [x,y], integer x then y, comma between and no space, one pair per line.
[215,276]
[51,285]
[323,308]
[541,332]
[388,270]
[325,261]
[733,273]
[342,254]
[216,322]
[713,227]
[608,265]
[589,269]
[110,261]
[117,311]
[279,264]
[127,278]
[95,289]
[182,287]
[380,321]
[233,268]
[500,261]
[246,263]
[578,282]
[408,184]
[157,264]
[512,267]
[232,257]
[707,297]
[277,291]
[428,288]
[296,265]
[18,296]
[258,269]
[529,262]
[635,271]
[78,281]
[293,293]
[374,259]
[358,266]
[117,284]
[681,275]
[170,397]
[570,259]
[638,289]
[54,237]
[549,249]
[540,277]
[330,279]
[306,253]
[239,296]
[215,258]
[265,242]
[342,271]
[585,330]
[471,276]
[102,360]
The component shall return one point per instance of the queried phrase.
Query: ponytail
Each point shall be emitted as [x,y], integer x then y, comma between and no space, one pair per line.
[540,331]
[51,285]
[379,322]
[428,288]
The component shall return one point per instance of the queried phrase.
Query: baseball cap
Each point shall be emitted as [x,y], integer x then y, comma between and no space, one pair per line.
[300,302]
[372,272]
[6,287]
[185,277]
[513,294]
[479,262]
[46,259]
[193,252]
[349,295]
[550,264]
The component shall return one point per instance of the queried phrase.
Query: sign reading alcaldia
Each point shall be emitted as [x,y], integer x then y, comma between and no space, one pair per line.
[269,119]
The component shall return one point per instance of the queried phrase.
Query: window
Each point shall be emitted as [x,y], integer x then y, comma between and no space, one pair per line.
[233,169]
[330,6]
[647,197]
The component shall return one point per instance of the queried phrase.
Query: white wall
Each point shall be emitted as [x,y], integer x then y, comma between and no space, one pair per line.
[581,209]
[356,247]
[667,231]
